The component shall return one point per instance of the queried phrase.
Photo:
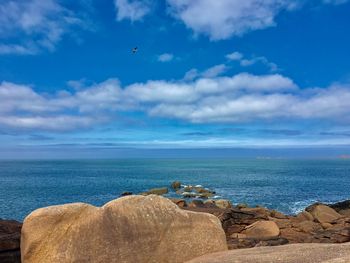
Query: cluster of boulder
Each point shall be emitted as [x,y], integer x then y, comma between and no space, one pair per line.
[247,227]
[180,190]
[188,196]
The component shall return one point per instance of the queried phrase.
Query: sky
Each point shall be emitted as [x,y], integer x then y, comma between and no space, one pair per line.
[208,75]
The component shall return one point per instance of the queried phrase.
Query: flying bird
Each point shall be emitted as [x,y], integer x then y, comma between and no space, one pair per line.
[134,50]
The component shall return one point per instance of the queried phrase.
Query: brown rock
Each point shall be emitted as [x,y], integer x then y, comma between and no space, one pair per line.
[222,203]
[126,193]
[333,235]
[176,185]
[345,212]
[344,205]
[189,195]
[158,191]
[239,206]
[281,223]
[326,225]
[261,211]
[237,243]
[10,234]
[204,195]
[323,213]
[262,229]
[188,188]
[308,226]
[305,216]
[210,204]
[278,215]
[238,235]
[294,235]
[129,229]
[295,253]
[196,203]
[178,202]
[202,190]
[235,220]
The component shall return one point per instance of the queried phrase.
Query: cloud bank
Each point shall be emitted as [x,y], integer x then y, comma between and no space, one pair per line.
[240,98]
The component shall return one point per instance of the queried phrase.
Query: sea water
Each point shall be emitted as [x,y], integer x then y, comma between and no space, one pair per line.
[284,185]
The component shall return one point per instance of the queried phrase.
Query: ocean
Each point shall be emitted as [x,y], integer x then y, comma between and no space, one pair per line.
[284,185]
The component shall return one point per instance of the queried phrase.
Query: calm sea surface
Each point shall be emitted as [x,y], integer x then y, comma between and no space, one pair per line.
[285,185]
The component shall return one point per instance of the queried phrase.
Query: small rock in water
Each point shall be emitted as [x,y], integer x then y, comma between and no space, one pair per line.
[189,195]
[176,185]
[222,203]
[204,195]
[202,190]
[188,188]
[158,191]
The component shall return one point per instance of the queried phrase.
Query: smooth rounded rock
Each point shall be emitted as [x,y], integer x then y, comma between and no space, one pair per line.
[129,229]
[324,214]
[222,203]
[262,229]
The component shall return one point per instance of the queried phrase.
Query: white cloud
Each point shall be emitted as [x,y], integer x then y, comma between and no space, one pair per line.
[191,74]
[30,26]
[166,57]
[234,56]
[240,98]
[245,62]
[263,60]
[214,71]
[6,49]
[133,10]
[211,72]
[225,18]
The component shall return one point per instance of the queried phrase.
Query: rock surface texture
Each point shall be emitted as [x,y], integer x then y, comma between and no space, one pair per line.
[10,234]
[296,253]
[250,227]
[262,229]
[129,229]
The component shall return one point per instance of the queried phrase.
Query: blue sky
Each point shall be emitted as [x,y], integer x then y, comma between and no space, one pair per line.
[261,74]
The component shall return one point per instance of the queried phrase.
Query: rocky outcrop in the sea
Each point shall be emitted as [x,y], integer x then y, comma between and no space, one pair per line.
[184,191]
[10,234]
[129,229]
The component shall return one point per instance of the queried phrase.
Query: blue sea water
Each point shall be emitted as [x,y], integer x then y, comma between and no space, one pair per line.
[285,185]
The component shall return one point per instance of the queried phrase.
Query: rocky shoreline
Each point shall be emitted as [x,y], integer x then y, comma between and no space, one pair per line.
[243,226]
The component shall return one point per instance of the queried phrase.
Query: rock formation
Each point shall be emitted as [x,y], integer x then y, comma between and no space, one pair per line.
[10,233]
[129,229]
[249,227]
[296,253]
